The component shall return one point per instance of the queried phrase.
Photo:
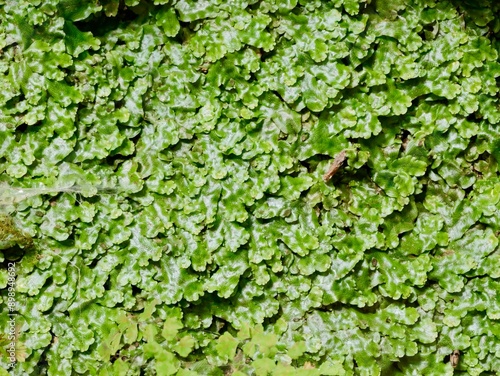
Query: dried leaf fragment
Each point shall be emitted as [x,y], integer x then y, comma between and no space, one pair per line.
[454,358]
[337,163]
[309,365]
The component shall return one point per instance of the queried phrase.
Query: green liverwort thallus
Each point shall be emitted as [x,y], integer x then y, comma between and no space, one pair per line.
[12,195]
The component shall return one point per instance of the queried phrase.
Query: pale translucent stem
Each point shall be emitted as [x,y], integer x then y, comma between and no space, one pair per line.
[11,195]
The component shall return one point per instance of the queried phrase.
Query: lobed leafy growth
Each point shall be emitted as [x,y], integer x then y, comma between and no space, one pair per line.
[216,246]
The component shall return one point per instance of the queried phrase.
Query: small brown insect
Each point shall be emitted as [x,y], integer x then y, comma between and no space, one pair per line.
[337,163]
[454,358]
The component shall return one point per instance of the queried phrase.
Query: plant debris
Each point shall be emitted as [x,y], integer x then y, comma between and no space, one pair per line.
[335,166]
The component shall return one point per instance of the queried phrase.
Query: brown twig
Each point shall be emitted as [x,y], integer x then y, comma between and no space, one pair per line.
[337,163]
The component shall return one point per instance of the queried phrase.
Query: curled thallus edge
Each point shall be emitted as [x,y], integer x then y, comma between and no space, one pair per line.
[11,195]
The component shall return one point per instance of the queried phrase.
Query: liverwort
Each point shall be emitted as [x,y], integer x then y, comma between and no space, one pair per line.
[11,195]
